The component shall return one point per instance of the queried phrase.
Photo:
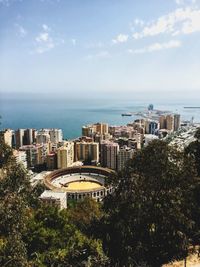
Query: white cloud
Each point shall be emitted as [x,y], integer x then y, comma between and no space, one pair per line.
[42,49]
[185,2]
[121,38]
[139,22]
[156,47]
[46,28]
[99,55]
[179,2]
[9,2]
[44,42]
[43,37]
[181,21]
[94,45]
[21,31]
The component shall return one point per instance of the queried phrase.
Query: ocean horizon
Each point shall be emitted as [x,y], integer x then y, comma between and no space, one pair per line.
[70,114]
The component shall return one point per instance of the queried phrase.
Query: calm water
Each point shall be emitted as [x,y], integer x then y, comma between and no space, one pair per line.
[71,114]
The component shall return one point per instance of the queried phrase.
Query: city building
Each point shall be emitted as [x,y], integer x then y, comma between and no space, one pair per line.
[125,153]
[32,154]
[95,129]
[29,136]
[162,121]
[87,152]
[65,155]
[56,199]
[19,137]
[151,127]
[170,122]
[42,138]
[101,128]
[51,161]
[177,121]
[56,135]
[108,153]
[150,107]
[43,151]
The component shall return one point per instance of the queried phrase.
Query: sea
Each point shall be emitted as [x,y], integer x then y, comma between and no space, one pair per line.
[70,114]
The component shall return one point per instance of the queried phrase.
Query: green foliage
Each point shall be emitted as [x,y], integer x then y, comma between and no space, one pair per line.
[14,253]
[6,155]
[193,150]
[36,235]
[197,134]
[148,219]
[14,191]
[84,213]
[52,240]
[151,219]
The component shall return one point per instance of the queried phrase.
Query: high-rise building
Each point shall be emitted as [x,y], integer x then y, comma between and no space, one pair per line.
[65,155]
[42,138]
[88,130]
[51,161]
[170,122]
[32,154]
[19,137]
[29,136]
[95,129]
[56,135]
[151,127]
[108,154]
[6,136]
[162,121]
[43,151]
[177,121]
[101,128]
[87,151]
[125,153]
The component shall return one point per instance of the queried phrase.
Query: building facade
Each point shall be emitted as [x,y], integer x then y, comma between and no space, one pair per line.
[108,153]
[65,155]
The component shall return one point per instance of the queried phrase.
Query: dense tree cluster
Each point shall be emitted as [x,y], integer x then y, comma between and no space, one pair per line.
[151,219]
[35,235]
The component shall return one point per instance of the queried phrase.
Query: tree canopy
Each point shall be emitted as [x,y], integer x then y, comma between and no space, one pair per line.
[148,218]
[151,218]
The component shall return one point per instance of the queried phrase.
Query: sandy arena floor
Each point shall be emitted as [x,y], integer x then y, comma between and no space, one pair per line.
[83,185]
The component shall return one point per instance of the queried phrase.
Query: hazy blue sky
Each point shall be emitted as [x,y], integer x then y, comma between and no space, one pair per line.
[94,46]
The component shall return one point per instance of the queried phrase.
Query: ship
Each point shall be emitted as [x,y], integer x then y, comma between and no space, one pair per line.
[126,114]
[192,107]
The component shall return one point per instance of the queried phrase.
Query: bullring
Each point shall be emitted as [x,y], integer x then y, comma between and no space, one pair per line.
[80,182]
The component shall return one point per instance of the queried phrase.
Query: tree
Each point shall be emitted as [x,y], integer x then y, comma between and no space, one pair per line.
[6,155]
[193,150]
[197,134]
[14,192]
[52,240]
[84,213]
[148,218]
[35,235]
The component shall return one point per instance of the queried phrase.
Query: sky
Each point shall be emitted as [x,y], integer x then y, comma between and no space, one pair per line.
[99,47]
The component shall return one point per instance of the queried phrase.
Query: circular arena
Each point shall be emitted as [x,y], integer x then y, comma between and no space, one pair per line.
[80,182]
